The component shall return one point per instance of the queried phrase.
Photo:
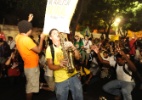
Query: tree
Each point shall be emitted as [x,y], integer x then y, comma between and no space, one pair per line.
[82,4]
[102,13]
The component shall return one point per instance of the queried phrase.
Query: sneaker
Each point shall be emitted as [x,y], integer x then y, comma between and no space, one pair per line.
[102,98]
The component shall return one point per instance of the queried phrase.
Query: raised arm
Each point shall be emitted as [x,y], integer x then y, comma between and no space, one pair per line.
[96,49]
[38,48]
[30,17]
[131,65]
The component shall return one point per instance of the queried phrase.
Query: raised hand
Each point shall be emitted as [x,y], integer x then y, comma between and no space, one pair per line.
[42,36]
[30,17]
[95,48]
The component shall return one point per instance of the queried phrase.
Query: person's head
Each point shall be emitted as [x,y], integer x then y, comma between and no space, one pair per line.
[54,35]
[25,27]
[105,54]
[10,38]
[76,37]
[86,37]
[96,41]
[120,60]
[111,43]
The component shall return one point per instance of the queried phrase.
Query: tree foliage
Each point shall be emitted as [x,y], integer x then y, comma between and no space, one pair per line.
[101,14]
[98,14]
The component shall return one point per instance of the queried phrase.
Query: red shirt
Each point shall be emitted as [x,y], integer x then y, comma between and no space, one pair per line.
[2,36]
[132,46]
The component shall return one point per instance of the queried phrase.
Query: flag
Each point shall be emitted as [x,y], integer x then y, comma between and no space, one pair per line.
[86,31]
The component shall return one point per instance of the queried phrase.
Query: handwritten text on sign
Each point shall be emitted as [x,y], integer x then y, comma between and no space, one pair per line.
[58,15]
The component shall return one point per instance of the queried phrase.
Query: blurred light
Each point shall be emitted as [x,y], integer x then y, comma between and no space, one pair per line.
[117,21]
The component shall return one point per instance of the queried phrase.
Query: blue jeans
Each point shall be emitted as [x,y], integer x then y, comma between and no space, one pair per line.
[73,84]
[117,87]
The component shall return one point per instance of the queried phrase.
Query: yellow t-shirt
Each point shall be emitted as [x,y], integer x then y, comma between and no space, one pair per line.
[87,71]
[61,74]
[24,45]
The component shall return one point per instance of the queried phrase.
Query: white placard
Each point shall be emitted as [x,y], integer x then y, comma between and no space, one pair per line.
[58,15]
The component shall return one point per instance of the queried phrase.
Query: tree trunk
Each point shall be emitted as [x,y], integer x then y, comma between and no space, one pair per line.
[108,31]
[74,22]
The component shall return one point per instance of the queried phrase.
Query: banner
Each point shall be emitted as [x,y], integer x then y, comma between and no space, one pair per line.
[114,37]
[58,15]
[134,34]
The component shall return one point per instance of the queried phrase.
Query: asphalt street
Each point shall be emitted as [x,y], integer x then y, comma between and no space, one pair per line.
[15,90]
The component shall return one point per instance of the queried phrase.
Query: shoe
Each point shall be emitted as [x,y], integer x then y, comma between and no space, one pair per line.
[102,98]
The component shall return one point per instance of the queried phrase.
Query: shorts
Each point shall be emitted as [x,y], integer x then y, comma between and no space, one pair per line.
[32,79]
[50,81]
[87,56]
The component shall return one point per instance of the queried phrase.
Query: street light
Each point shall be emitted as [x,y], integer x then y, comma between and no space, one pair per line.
[116,24]
[117,21]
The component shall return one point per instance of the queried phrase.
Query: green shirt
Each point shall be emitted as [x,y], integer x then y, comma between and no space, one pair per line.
[78,45]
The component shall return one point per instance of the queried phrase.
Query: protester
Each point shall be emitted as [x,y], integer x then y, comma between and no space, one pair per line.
[11,42]
[29,53]
[87,44]
[124,82]
[132,47]
[64,81]
[12,67]
[46,76]
[79,45]
[4,51]
[85,77]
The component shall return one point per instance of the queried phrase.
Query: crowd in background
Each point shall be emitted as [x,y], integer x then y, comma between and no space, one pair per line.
[90,67]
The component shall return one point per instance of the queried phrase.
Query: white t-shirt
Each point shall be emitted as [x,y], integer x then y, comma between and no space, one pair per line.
[120,74]
[48,72]
[87,44]
[11,44]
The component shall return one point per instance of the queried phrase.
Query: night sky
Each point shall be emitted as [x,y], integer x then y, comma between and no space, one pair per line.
[11,12]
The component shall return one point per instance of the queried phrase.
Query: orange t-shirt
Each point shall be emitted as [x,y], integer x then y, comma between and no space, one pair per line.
[24,45]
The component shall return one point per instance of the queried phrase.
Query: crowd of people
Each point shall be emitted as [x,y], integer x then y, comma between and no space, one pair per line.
[118,60]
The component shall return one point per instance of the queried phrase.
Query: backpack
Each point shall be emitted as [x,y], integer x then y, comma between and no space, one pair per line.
[52,52]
